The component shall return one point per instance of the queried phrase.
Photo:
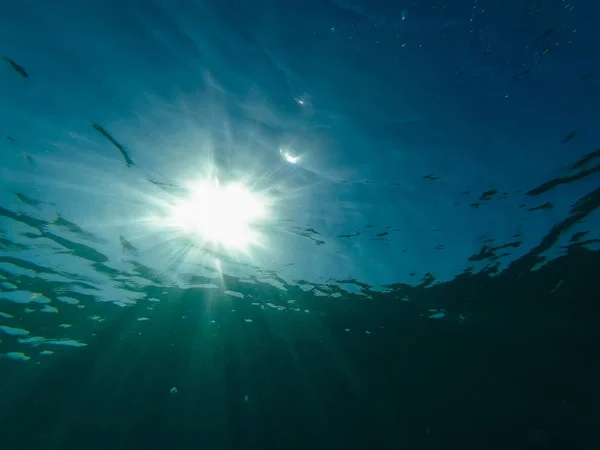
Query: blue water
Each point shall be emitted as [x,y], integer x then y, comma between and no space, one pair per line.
[422,130]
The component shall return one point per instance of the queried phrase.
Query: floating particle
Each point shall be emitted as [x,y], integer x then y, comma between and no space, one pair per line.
[173,390]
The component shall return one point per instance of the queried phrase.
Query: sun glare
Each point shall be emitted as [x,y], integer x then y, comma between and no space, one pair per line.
[289,157]
[222,215]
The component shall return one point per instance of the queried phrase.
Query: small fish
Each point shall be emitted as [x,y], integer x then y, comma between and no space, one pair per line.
[16,66]
[522,74]
[10,138]
[114,142]
[587,76]
[355,233]
[404,14]
[29,159]
[431,177]
[548,32]
[385,233]
[578,236]
[487,195]
[545,207]
[569,136]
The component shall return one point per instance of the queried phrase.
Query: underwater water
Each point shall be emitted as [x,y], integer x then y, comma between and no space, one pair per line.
[282,224]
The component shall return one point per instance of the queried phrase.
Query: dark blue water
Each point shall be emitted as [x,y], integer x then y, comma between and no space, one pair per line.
[322,224]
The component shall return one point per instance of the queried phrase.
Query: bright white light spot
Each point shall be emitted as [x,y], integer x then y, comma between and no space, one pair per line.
[221,215]
[289,157]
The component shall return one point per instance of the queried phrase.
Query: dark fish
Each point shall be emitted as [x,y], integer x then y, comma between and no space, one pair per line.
[522,74]
[356,233]
[549,31]
[543,52]
[569,136]
[475,205]
[128,246]
[107,135]
[586,159]
[587,76]
[546,207]
[29,160]
[27,200]
[11,139]
[578,236]
[16,66]
[431,177]
[385,233]
[487,195]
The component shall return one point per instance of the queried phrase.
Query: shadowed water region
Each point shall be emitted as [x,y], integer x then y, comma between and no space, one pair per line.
[332,224]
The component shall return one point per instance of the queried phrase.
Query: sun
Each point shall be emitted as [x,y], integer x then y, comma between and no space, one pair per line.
[224,215]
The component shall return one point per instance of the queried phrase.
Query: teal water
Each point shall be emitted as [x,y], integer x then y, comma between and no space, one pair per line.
[332,224]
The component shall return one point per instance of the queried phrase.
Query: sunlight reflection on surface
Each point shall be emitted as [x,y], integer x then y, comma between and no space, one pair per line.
[220,214]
